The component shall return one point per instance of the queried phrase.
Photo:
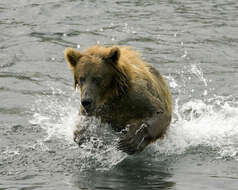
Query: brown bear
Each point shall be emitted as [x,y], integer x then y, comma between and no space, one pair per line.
[118,87]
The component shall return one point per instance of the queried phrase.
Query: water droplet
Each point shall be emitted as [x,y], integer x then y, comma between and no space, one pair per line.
[78,46]
[198,72]
[185,54]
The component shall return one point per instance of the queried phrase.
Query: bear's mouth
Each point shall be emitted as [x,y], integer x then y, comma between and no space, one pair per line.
[87,112]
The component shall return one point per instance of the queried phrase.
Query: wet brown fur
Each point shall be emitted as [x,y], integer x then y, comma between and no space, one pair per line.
[138,93]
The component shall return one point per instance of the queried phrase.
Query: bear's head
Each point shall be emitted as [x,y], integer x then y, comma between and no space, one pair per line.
[98,75]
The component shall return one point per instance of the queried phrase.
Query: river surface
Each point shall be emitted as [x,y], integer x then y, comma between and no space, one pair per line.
[194,43]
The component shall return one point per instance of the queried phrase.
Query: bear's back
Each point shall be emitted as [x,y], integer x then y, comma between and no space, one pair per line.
[145,75]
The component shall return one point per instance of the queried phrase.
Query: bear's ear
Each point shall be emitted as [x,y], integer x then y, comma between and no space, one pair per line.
[72,56]
[113,55]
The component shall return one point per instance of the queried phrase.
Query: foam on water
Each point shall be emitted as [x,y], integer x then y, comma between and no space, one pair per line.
[210,121]
[59,116]
[56,114]
[213,125]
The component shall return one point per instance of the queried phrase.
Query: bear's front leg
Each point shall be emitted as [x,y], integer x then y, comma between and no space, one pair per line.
[139,135]
[135,139]
[81,136]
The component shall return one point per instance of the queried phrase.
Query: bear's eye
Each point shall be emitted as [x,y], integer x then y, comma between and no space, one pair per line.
[97,80]
[81,80]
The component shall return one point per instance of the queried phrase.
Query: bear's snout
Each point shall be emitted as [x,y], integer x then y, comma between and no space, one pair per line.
[87,104]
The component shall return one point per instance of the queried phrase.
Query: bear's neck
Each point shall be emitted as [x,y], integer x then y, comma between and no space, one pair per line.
[111,111]
[119,111]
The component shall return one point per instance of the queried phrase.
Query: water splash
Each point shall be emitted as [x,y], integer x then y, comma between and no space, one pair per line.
[208,122]
[58,115]
[195,69]
[202,124]
[55,116]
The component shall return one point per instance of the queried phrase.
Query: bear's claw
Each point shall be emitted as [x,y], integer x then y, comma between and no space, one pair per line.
[80,136]
[135,140]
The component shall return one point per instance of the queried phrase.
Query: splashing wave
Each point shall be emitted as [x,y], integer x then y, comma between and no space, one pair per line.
[213,125]
[210,121]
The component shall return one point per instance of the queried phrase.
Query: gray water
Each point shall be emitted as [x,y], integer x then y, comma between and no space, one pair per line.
[193,43]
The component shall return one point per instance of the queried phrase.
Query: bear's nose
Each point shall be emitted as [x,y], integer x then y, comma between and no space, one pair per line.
[86,103]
